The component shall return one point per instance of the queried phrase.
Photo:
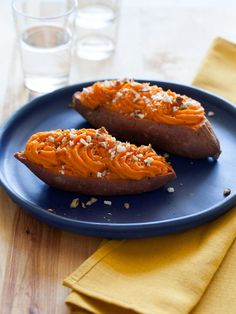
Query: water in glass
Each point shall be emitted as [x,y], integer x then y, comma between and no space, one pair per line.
[46,54]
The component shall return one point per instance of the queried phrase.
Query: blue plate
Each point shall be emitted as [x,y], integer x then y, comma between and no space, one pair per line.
[198,196]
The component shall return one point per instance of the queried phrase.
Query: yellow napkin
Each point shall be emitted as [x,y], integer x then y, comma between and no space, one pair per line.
[190,272]
[218,70]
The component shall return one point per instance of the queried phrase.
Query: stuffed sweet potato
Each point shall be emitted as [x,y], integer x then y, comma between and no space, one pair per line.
[93,162]
[146,114]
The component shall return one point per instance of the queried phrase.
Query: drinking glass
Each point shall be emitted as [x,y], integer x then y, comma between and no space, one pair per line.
[96,28]
[44,32]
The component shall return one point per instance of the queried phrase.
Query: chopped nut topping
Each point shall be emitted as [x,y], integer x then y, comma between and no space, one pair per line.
[166,155]
[127,145]
[102,130]
[183,106]
[148,161]
[72,135]
[71,143]
[113,154]
[83,205]
[179,100]
[88,139]
[140,115]
[99,174]
[104,173]
[74,203]
[158,96]
[125,90]
[103,144]
[170,189]
[120,148]
[82,141]
[107,203]
[167,98]
[51,139]
[134,83]
[136,97]
[57,133]
[135,158]
[88,89]
[190,102]
[140,155]
[128,153]
[227,192]
[64,140]
[108,83]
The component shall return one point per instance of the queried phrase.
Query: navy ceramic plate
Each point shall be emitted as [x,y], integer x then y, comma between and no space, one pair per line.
[198,196]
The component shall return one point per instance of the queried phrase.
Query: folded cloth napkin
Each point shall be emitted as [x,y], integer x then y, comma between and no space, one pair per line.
[189,272]
[218,70]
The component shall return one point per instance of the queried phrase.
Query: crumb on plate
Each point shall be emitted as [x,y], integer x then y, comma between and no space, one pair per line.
[170,189]
[211,113]
[107,203]
[227,192]
[91,201]
[74,203]
[126,205]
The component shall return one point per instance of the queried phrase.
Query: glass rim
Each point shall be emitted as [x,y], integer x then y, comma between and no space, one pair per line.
[52,17]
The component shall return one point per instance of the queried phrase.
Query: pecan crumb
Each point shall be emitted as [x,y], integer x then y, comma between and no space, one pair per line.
[109,203]
[74,203]
[179,100]
[211,113]
[227,192]
[170,189]
[126,205]
[91,201]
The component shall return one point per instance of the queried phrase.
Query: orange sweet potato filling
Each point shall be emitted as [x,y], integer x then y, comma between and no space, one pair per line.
[93,153]
[142,101]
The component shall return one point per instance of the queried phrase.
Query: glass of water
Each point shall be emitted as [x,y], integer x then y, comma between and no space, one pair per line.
[44,29]
[96,28]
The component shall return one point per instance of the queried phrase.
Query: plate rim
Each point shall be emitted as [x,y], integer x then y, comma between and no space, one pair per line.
[58,220]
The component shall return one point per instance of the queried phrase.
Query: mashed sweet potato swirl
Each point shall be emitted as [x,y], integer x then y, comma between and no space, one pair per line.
[93,153]
[142,101]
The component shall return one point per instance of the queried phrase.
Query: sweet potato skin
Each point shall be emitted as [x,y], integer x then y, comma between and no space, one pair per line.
[176,139]
[95,186]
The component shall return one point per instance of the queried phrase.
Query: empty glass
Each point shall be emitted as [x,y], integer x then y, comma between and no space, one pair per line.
[44,29]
